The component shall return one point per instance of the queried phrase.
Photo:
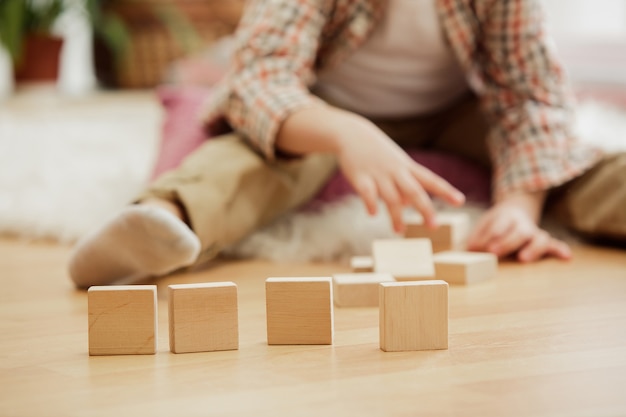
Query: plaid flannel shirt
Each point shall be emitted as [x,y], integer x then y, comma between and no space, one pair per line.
[500,44]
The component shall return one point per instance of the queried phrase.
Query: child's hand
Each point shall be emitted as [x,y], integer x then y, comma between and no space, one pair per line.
[375,165]
[378,168]
[509,228]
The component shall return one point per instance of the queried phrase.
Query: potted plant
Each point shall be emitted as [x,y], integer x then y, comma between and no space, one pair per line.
[136,41]
[133,40]
[26,33]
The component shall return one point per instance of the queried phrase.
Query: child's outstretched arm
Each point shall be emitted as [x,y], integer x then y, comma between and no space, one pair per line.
[375,165]
[527,103]
[266,98]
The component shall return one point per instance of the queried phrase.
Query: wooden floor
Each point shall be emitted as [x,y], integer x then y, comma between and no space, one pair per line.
[542,340]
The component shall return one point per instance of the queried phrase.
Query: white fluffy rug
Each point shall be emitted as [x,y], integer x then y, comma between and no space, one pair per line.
[66,164]
[64,169]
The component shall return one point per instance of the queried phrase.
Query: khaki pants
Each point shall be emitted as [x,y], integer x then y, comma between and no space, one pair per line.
[229,191]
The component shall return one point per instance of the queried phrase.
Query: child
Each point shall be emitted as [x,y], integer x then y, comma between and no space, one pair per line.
[320,84]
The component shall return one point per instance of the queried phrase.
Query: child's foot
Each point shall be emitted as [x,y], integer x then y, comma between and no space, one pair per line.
[141,241]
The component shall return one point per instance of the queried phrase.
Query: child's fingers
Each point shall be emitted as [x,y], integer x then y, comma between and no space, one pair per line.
[542,245]
[412,193]
[513,238]
[480,237]
[536,248]
[436,185]
[366,188]
[499,227]
[489,231]
[393,200]
[559,249]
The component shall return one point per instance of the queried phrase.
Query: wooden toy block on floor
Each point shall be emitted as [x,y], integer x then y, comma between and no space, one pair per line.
[405,259]
[465,267]
[122,320]
[413,315]
[299,311]
[362,264]
[451,234]
[203,317]
[358,290]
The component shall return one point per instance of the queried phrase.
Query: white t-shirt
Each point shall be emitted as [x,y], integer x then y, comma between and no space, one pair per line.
[405,68]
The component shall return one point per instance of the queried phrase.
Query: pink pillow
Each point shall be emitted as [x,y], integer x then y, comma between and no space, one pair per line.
[183,132]
[469,178]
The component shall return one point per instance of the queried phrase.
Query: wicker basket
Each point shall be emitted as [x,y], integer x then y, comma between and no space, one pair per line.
[154,45]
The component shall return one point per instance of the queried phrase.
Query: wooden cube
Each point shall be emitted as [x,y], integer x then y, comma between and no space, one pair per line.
[122,320]
[358,290]
[465,267]
[362,264]
[451,234]
[203,317]
[405,259]
[299,311]
[413,315]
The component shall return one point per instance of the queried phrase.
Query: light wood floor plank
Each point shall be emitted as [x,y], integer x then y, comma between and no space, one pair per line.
[546,339]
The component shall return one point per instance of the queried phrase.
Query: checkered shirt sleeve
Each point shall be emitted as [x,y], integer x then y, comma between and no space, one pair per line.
[504,47]
[273,64]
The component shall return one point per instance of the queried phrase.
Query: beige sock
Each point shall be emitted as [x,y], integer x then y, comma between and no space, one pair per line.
[141,241]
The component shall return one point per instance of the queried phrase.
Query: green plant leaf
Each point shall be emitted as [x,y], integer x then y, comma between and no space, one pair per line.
[112,30]
[44,14]
[12,27]
[181,29]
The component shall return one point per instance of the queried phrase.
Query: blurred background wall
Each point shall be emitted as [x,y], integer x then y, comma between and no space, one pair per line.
[590,36]
[587,19]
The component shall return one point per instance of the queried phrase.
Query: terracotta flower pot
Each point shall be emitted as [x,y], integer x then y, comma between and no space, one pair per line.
[40,59]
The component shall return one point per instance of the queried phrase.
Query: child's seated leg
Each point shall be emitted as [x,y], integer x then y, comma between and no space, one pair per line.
[225,191]
[141,241]
[228,191]
[594,204]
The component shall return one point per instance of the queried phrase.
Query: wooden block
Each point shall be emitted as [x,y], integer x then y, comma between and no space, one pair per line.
[358,290]
[122,320]
[465,267]
[451,234]
[203,317]
[413,315]
[362,264]
[405,259]
[299,311]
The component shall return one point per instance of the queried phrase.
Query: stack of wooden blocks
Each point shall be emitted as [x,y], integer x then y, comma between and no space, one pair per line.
[409,283]
[450,235]
[402,278]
